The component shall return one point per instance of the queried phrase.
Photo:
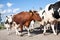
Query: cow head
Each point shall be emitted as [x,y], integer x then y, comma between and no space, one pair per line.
[8,19]
[36,16]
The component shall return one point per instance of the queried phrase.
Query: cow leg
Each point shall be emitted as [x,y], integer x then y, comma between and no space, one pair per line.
[27,27]
[8,31]
[16,26]
[44,30]
[21,29]
[8,28]
[56,28]
[52,26]
[17,32]
[28,31]
[32,28]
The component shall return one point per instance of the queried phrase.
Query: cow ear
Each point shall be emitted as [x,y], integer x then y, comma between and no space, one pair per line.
[35,11]
[10,15]
[6,16]
[30,11]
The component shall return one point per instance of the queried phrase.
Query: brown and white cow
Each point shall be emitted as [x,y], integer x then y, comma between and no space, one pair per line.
[24,19]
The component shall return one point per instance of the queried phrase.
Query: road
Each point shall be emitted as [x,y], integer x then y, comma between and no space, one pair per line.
[35,35]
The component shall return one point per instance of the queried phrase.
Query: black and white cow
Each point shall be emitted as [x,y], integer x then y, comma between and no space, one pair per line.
[8,23]
[52,14]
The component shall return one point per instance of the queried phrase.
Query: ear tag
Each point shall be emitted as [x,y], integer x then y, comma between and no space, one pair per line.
[30,13]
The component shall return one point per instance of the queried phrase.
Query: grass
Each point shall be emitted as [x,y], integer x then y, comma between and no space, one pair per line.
[2,26]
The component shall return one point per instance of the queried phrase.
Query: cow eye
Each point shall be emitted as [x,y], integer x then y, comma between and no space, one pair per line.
[37,14]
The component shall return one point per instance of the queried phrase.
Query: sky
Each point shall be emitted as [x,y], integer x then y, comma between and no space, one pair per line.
[8,7]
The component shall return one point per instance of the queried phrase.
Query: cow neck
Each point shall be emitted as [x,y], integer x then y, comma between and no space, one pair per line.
[31,15]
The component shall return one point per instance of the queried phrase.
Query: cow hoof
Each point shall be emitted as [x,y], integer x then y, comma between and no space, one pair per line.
[43,33]
[55,33]
[29,34]
[16,33]
[19,34]
[9,33]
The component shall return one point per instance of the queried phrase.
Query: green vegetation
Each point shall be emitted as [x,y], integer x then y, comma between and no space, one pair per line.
[2,26]
[1,23]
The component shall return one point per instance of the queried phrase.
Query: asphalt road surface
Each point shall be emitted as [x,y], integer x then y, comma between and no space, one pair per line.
[35,35]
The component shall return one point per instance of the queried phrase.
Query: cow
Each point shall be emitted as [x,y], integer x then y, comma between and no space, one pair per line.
[51,15]
[8,23]
[24,19]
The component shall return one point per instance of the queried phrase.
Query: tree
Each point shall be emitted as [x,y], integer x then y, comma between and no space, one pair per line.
[0,18]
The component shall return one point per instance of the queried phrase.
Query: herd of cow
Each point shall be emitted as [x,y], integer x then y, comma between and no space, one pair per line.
[50,17]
